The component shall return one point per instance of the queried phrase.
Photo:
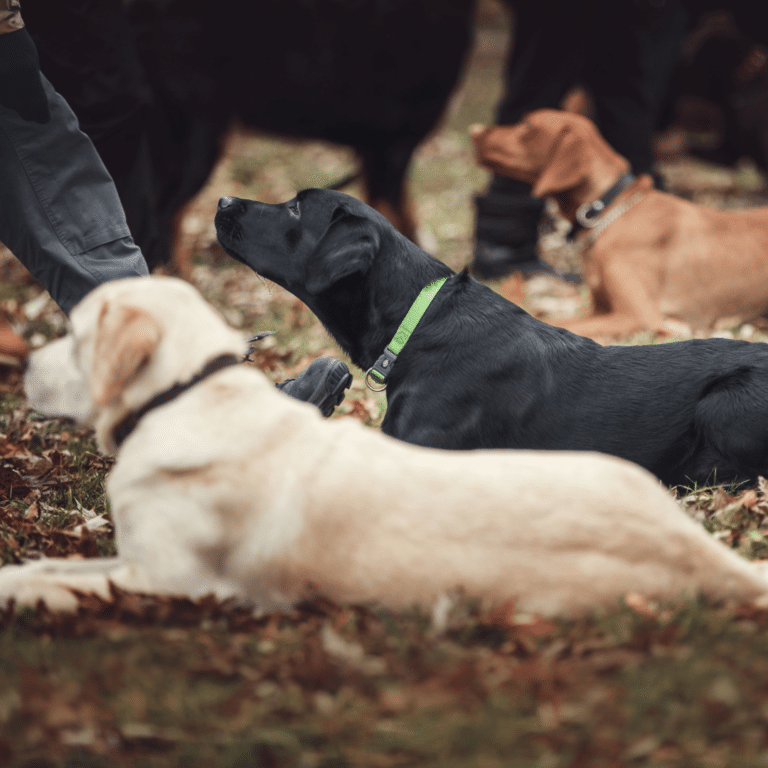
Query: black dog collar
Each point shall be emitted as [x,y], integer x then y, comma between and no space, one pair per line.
[588,214]
[128,424]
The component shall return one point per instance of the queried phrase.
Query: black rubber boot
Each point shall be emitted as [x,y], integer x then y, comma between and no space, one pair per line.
[506,235]
[322,383]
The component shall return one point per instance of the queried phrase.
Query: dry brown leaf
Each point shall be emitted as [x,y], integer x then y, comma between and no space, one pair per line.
[32,512]
[749,499]
[364,409]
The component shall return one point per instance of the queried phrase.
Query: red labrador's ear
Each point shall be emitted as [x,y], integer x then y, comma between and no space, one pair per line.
[126,337]
[567,166]
[348,246]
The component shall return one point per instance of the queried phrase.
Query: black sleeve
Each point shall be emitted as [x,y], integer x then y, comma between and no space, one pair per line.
[20,86]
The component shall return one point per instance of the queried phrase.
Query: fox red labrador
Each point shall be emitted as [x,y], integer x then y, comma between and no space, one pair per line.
[649,257]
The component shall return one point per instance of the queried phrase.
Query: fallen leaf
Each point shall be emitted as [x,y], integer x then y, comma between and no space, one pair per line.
[32,512]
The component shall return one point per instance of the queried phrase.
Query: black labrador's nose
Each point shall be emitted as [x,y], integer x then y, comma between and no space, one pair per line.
[226,202]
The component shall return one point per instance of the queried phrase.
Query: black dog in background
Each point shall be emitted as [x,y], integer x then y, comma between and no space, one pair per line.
[480,372]
[156,84]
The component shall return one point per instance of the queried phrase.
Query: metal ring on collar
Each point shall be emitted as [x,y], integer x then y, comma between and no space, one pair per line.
[588,214]
[368,374]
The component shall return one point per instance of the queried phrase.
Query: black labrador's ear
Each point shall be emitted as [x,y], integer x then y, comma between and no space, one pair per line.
[348,246]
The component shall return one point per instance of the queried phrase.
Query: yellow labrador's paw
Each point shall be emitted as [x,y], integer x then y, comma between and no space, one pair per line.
[54,581]
[28,592]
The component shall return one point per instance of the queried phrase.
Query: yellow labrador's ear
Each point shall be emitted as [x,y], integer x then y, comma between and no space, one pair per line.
[126,337]
[567,166]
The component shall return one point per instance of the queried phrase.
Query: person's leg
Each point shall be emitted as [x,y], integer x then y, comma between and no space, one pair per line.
[543,62]
[506,230]
[60,214]
[88,53]
[632,52]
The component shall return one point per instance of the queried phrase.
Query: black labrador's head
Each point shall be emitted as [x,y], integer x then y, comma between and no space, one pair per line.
[307,244]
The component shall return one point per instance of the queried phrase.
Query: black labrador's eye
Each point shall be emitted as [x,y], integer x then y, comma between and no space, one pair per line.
[293,207]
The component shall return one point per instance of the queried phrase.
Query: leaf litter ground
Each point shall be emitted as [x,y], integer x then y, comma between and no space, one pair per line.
[147,681]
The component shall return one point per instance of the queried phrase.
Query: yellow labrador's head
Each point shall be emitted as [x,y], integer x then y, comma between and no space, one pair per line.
[551,149]
[129,340]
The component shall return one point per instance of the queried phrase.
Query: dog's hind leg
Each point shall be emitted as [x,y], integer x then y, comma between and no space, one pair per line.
[732,422]
[600,326]
[623,303]
[385,172]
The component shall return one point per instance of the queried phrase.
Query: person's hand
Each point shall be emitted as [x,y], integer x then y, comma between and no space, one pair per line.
[21,88]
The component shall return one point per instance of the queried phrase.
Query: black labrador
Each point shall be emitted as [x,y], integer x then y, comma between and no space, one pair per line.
[480,372]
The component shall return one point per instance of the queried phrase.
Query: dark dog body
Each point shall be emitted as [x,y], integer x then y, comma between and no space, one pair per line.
[158,83]
[480,372]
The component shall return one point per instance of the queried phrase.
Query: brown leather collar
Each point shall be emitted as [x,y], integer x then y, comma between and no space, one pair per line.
[128,424]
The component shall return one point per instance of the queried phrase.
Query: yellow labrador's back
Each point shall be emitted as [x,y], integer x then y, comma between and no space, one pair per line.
[558,533]
[295,504]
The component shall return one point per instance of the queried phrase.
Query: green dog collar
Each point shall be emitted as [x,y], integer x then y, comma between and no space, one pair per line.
[381,369]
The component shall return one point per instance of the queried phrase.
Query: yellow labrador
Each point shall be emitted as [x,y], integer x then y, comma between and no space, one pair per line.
[230,487]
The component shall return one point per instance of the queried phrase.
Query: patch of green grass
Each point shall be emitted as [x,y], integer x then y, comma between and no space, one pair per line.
[90,470]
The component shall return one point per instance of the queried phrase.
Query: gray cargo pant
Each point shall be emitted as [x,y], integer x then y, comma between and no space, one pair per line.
[59,210]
